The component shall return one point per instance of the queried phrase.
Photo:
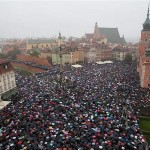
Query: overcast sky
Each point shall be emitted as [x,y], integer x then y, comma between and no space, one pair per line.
[24,18]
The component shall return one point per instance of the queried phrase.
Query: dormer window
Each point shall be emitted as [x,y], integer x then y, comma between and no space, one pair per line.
[5,66]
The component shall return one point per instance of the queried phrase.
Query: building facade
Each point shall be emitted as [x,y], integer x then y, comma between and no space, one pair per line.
[7,80]
[41,44]
[143,61]
[104,52]
[119,53]
[91,54]
[56,58]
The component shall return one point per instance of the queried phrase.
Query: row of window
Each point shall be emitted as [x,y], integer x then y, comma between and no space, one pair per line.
[7,87]
[43,46]
[6,76]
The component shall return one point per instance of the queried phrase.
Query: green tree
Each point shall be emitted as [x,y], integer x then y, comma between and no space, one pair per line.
[3,55]
[35,53]
[15,48]
[13,54]
[128,58]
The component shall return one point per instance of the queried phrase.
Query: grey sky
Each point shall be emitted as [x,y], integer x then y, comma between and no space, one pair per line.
[32,18]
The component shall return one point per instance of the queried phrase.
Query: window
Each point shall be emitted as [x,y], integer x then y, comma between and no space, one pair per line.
[4,77]
[5,88]
[7,76]
[13,84]
[5,66]
[0,79]
[12,74]
[9,86]
[149,78]
[1,89]
[145,40]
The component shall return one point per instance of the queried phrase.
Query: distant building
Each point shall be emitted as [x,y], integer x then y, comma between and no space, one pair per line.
[45,54]
[104,52]
[91,54]
[119,53]
[110,35]
[71,52]
[56,58]
[69,55]
[143,65]
[7,80]
[41,43]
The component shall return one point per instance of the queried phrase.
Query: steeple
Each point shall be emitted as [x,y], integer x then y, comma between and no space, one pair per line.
[96,31]
[59,37]
[146,25]
[148,13]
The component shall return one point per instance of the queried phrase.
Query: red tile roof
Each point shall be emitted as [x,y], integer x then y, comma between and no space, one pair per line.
[5,66]
[27,67]
[2,60]
[40,61]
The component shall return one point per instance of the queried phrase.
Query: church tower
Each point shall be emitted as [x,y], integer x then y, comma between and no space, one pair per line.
[145,35]
[143,60]
[96,32]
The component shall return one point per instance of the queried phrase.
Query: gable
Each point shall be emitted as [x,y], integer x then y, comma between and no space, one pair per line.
[112,34]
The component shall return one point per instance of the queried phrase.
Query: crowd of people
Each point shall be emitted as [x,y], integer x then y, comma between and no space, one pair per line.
[95,107]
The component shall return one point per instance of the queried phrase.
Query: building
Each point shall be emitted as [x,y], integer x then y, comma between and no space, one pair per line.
[106,35]
[71,52]
[104,52]
[45,54]
[143,61]
[119,52]
[41,43]
[90,53]
[69,55]
[7,80]
[56,58]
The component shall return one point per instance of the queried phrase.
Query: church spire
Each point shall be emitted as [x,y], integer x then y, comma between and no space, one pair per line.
[146,25]
[59,37]
[96,31]
[148,12]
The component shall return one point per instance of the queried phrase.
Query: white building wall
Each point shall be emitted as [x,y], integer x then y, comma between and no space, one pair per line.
[7,82]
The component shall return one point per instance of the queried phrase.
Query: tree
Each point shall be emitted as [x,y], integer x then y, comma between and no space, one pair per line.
[13,54]
[3,55]
[35,53]
[15,48]
[128,58]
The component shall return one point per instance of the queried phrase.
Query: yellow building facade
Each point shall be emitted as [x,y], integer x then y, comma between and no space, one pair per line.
[76,55]
[41,44]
